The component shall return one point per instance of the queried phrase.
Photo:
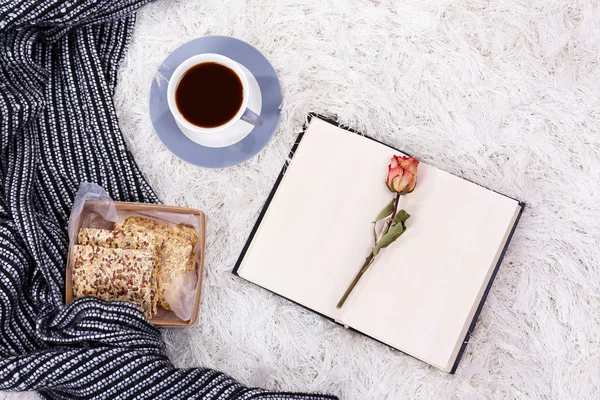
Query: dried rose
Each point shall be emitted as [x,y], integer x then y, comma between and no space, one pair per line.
[401,179]
[402,174]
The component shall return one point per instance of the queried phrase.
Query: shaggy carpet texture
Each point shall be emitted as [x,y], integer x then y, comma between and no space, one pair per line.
[504,93]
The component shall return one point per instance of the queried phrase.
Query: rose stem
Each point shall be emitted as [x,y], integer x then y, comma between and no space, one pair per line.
[389,221]
[370,258]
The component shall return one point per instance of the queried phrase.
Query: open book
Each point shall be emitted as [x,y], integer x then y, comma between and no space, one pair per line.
[423,293]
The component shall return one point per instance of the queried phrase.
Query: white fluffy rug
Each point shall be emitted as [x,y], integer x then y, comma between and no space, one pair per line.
[502,92]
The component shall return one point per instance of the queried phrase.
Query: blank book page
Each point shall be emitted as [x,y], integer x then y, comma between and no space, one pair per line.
[317,231]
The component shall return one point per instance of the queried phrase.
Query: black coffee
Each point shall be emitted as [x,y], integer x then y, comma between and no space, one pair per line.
[209,95]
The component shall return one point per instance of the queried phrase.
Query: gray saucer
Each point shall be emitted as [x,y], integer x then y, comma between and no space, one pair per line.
[223,157]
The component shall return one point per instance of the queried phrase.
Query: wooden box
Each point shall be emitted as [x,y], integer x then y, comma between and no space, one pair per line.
[164,319]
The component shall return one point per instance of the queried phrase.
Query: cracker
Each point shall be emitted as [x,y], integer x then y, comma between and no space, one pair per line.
[175,255]
[114,274]
[139,222]
[174,260]
[186,233]
[134,240]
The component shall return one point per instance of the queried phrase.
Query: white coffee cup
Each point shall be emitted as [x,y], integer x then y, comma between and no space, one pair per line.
[215,136]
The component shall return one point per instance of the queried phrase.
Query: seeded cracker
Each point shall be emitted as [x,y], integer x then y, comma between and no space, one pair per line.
[175,259]
[175,256]
[114,274]
[136,240]
[117,239]
[139,223]
[186,233]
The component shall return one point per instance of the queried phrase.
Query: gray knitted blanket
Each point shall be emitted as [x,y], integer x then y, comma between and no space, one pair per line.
[58,127]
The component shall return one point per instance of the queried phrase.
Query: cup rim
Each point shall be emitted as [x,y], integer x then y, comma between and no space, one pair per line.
[183,67]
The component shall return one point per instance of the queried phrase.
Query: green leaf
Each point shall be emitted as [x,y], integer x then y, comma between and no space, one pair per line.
[401,217]
[386,211]
[394,233]
[374,232]
[375,251]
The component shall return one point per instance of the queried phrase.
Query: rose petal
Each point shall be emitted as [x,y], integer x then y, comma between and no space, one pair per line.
[405,182]
[412,186]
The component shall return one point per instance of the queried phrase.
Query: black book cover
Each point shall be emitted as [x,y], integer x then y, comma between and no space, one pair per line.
[274,190]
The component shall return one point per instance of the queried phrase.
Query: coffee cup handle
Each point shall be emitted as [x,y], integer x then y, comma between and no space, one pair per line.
[252,118]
